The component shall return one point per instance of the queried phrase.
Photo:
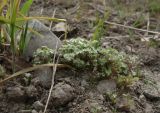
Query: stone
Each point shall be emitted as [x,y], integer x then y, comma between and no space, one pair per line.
[151,92]
[15,93]
[106,86]
[60,27]
[152,95]
[148,108]
[65,3]
[94,106]
[44,38]
[31,91]
[62,94]
[43,77]
[34,111]
[84,83]
[125,103]
[38,105]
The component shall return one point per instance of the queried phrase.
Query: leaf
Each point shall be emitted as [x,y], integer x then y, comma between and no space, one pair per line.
[26,6]
[2,4]
[22,43]
[39,18]
[4,20]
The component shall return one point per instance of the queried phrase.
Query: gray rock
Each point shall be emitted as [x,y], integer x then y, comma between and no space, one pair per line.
[44,38]
[60,27]
[62,94]
[84,83]
[65,3]
[106,86]
[43,77]
[31,92]
[157,108]
[95,107]
[38,105]
[148,108]
[125,103]
[34,111]
[152,95]
[15,93]
[25,111]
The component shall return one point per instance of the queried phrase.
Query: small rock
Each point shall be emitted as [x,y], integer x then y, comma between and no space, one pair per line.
[157,108]
[125,103]
[34,111]
[148,108]
[62,94]
[44,38]
[106,86]
[43,76]
[38,105]
[25,111]
[151,92]
[152,96]
[31,92]
[84,83]
[65,3]
[27,75]
[93,106]
[15,93]
[60,27]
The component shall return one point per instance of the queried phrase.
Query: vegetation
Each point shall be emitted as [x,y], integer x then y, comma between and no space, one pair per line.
[43,55]
[154,6]
[108,76]
[82,54]
[14,24]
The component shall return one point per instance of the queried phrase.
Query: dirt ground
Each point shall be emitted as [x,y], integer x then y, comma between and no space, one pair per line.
[73,92]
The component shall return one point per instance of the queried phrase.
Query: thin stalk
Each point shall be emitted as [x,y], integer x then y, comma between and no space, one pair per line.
[14,7]
[12,26]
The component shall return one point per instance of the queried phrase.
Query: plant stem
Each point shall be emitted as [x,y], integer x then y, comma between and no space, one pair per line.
[13,46]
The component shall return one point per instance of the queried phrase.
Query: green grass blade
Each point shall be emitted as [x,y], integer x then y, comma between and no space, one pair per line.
[15,7]
[40,18]
[22,44]
[4,20]
[2,4]
[25,8]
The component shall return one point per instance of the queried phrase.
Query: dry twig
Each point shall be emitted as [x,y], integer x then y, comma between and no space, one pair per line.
[31,69]
[133,28]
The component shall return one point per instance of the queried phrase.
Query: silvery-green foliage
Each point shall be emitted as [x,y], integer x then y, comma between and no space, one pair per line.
[79,52]
[84,54]
[43,55]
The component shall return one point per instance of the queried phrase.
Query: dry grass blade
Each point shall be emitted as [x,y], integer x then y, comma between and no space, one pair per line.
[55,61]
[31,69]
[133,28]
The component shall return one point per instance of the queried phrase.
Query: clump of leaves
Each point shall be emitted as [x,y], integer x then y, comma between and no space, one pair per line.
[83,54]
[79,53]
[111,97]
[124,81]
[43,55]
[154,6]
[154,43]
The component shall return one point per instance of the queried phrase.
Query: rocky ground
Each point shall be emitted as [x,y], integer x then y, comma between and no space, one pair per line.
[74,92]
